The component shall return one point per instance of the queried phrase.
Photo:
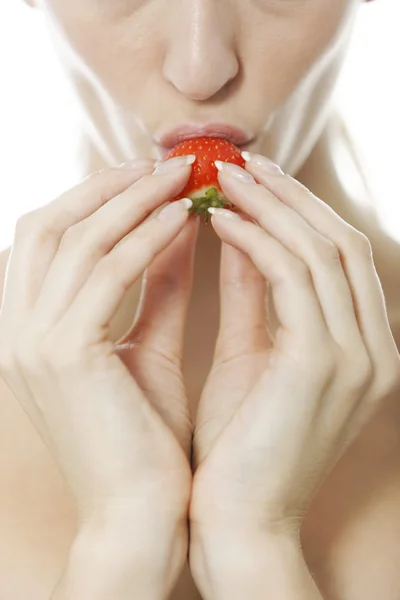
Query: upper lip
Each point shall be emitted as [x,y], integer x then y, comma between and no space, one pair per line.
[233,134]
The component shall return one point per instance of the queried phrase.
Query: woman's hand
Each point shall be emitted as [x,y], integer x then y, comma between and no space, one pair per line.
[277,414]
[114,417]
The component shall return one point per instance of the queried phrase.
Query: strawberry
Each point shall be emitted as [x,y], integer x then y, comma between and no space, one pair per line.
[203,187]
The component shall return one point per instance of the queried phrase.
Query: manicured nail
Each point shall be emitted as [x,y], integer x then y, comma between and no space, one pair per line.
[175,210]
[174,163]
[235,171]
[137,163]
[222,212]
[262,161]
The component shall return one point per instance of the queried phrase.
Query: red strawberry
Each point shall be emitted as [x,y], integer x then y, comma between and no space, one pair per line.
[203,187]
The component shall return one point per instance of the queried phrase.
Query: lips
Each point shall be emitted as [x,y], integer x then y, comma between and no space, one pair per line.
[233,134]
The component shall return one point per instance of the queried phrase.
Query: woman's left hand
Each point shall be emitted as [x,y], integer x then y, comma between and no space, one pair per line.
[277,414]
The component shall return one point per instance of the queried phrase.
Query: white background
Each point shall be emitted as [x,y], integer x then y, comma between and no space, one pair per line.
[39,121]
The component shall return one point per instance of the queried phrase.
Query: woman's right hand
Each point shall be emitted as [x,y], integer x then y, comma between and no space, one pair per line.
[114,417]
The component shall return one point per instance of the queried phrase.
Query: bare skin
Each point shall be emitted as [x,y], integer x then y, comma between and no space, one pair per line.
[351,533]
[355,512]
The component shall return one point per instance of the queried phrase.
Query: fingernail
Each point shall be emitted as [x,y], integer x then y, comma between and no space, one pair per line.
[222,212]
[175,210]
[174,163]
[235,171]
[137,163]
[262,161]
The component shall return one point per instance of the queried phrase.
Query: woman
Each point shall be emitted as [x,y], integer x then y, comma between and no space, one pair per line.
[286,484]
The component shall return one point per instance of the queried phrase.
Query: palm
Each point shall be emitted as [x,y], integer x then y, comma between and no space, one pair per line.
[227,387]
[161,381]
[152,350]
[241,354]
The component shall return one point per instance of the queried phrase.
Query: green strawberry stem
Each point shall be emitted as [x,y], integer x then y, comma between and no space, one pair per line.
[212,198]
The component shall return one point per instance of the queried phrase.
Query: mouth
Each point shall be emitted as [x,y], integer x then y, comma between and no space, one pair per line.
[237,136]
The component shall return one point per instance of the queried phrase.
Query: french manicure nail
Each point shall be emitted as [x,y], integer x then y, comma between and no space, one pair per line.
[137,163]
[262,161]
[235,171]
[174,163]
[222,212]
[175,210]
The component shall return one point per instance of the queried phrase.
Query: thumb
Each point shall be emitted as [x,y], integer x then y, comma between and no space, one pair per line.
[165,295]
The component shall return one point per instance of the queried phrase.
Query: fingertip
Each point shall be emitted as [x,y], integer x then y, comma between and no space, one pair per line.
[176,211]
[224,222]
[223,215]
[137,164]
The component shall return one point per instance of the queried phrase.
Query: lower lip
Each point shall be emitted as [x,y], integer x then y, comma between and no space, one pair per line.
[163,152]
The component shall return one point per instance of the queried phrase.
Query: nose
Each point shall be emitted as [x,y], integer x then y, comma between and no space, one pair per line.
[200,59]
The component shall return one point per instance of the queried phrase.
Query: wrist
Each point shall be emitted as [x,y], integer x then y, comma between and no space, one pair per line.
[233,563]
[124,557]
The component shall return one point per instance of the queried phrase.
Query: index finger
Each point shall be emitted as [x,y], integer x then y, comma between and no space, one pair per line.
[38,233]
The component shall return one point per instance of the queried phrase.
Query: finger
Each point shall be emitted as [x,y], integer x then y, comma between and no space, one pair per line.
[84,245]
[38,233]
[166,289]
[318,252]
[101,296]
[243,293]
[358,263]
[296,303]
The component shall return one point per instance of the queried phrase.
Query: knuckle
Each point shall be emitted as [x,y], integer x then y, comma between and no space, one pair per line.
[145,242]
[151,236]
[88,245]
[359,372]
[291,269]
[113,269]
[317,359]
[72,235]
[297,268]
[27,223]
[359,244]
[106,267]
[101,185]
[326,252]
[389,381]
[325,363]
[38,224]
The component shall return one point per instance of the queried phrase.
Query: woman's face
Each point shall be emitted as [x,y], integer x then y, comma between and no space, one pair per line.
[143,67]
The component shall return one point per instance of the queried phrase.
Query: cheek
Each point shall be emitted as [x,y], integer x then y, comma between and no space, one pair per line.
[293,38]
[115,46]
